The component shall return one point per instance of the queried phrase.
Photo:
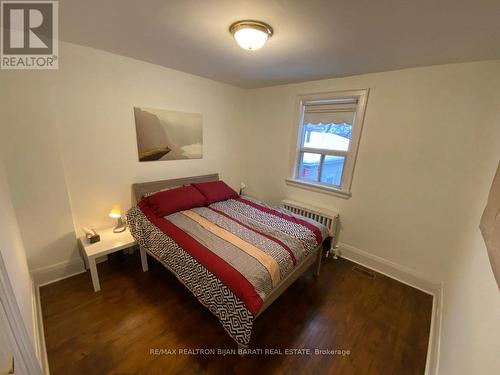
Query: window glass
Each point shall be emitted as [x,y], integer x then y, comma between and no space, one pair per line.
[309,166]
[331,170]
[327,136]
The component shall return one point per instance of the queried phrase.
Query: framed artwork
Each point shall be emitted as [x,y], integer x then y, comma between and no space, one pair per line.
[168,135]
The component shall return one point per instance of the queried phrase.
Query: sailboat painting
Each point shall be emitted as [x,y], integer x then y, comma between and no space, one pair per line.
[168,135]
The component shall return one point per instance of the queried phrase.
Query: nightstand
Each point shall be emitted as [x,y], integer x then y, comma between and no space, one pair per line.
[109,243]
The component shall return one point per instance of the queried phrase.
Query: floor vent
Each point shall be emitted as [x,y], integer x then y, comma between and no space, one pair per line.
[364,271]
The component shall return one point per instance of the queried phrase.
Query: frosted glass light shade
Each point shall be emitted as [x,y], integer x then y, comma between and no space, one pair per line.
[251,35]
[250,39]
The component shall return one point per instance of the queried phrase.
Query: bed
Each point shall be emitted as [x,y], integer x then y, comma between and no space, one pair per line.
[236,256]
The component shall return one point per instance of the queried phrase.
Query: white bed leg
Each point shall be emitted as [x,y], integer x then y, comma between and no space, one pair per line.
[144,259]
[333,250]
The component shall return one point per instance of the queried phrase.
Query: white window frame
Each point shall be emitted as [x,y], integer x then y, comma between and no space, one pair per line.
[344,190]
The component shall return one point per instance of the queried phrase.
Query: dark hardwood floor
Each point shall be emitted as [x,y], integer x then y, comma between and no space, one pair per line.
[383,323]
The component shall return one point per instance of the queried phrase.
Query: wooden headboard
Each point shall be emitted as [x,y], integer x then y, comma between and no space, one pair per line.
[141,188]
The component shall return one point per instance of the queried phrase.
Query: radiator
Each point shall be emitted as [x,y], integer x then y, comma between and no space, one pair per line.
[328,218]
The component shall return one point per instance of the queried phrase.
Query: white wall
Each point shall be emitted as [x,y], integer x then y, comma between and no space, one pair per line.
[427,155]
[14,257]
[470,333]
[94,94]
[470,339]
[428,152]
[33,163]
[69,142]
[421,126]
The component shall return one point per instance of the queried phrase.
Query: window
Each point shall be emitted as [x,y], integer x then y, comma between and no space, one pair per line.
[327,140]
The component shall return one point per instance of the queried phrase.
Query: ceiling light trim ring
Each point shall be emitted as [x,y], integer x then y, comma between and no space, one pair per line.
[262,26]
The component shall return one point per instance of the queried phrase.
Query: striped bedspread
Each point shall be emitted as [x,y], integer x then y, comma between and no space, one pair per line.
[230,255]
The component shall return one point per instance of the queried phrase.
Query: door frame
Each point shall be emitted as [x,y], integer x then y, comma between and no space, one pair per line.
[10,314]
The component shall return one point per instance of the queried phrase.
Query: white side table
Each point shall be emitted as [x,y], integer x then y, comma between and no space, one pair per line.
[109,243]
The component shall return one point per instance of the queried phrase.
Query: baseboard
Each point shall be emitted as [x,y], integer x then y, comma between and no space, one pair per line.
[41,349]
[36,322]
[435,348]
[47,275]
[414,279]
[393,270]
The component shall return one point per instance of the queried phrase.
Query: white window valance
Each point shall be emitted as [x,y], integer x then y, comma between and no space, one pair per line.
[333,112]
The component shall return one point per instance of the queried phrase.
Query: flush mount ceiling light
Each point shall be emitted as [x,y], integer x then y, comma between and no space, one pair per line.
[251,35]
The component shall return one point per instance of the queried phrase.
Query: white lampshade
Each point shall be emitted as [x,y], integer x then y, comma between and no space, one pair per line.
[115,212]
[251,35]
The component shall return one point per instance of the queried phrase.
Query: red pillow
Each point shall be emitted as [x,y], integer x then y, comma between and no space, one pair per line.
[182,198]
[216,191]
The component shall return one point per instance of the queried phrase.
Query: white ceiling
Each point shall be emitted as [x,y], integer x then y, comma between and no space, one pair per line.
[313,39]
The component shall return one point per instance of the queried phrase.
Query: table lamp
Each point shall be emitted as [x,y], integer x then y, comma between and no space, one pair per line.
[116,213]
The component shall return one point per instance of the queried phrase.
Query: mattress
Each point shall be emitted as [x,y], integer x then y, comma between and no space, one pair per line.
[231,254]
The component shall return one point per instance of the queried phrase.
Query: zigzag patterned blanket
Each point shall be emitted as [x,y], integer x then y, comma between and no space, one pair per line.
[230,255]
